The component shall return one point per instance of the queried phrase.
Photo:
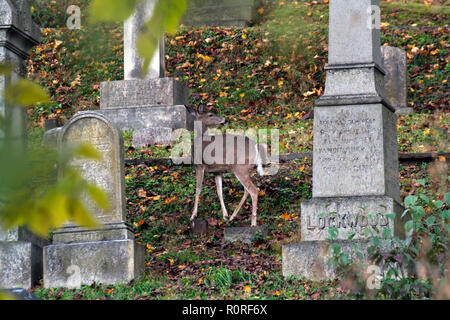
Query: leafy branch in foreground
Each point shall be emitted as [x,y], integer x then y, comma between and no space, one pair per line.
[31,193]
[165,18]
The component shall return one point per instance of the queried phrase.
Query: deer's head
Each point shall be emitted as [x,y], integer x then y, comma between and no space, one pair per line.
[208,119]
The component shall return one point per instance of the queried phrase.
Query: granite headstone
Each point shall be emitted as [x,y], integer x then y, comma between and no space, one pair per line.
[107,254]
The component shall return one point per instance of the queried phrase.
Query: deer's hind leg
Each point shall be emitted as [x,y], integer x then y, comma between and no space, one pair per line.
[220,194]
[238,208]
[243,175]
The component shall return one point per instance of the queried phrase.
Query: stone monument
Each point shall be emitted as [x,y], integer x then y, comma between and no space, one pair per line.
[151,105]
[355,156]
[394,61]
[20,250]
[221,13]
[18,34]
[107,254]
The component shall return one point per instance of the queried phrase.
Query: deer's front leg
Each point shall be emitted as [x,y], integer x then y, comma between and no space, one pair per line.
[199,172]
[220,194]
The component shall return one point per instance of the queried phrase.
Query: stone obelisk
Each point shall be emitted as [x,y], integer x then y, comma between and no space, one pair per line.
[355,156]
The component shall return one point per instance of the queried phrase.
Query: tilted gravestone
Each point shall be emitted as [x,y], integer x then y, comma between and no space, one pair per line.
[221,13]
[355,156]
[151,105]
[107,254]
[394,62]
[20,250]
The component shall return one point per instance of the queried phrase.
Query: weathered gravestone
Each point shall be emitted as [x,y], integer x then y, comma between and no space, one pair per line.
[394,62]
[20,250]
[152,105]
[355,157]
[221,13]
[107,254]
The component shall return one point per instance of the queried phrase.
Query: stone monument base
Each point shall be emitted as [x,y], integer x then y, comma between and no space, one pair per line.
[243,234]
[309,259]
[350,214]
[20,258]
[21,264]
[106,262]
[142,93]
[152,124]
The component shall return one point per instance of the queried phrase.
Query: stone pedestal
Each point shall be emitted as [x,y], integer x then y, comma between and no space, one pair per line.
[221,13]
[20,251]
[355,155]
[243,234]
[20,258]
[153,108]
[108,253]
[18,34]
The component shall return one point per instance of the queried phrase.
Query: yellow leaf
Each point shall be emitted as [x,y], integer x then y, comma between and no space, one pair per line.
[286,216]
[88,151]
[5,68]
[25,92]
[247,289]
[442,159]
[99,196]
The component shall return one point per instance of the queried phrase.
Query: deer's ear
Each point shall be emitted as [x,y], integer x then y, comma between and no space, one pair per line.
[190,110]
[201,109]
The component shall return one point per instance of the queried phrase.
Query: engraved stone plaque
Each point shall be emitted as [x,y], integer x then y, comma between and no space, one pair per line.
[107,173]
[355,152]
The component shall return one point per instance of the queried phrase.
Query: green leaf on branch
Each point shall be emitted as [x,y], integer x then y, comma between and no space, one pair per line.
[5,68]
[410,200]
[87,151]
[25,93]
[165,18]
[409,225]
[98,196]
[333,232]
[111,10]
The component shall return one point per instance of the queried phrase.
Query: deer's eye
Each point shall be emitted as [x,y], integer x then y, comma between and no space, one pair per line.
[210,115]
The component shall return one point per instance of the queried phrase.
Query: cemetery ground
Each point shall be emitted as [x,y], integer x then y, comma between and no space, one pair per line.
[266,76]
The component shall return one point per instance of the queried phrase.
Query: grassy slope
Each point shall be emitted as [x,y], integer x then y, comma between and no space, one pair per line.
[267,75]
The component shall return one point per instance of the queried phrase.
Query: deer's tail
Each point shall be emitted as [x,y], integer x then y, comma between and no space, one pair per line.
[260,158]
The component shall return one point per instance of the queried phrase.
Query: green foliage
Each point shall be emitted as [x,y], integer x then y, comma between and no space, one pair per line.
[32,196]
[223,278]
[111,10]
[165,18]
[25,92]
[415,267]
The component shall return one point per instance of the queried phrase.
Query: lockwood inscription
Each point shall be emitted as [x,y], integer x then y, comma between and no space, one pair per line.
[345,221]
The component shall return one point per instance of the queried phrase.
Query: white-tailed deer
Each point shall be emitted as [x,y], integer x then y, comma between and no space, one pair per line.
[231,153]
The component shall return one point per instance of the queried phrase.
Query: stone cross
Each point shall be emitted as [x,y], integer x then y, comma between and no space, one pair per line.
[107,254]
[133,63]
[355,158]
